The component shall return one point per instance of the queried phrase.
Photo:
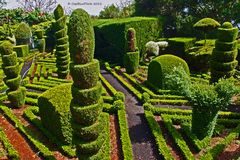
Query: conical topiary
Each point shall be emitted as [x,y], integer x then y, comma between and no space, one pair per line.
[86,106]
[224,55]
[62,46]
[131,58]
[15,93]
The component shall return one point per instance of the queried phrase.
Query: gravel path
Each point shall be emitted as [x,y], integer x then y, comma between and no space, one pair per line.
[143,144]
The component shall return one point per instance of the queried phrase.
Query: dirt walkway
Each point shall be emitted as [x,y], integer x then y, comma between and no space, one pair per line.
[143,144]
[16,139]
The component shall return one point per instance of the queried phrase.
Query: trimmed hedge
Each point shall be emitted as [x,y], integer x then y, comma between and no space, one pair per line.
[62,47]
[180,45]
[85,75]
[111,42]
[163,65]
[131,61]
[81,37]
[16,94]
[21,50]
[224,55]
[23,34]
[54,109]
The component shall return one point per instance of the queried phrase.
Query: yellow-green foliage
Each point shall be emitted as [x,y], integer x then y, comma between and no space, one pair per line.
[162,65]
[54,109]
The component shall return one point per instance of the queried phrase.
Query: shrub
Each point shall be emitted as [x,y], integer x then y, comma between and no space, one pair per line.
[81,37]
[180,45]
[10,66]
[162,65]
[131,62]
[131,40]
[62,47]
[111,42]
[23,34]
[224,55]
[54,110]
[87,104]
[21,50]
[119,96]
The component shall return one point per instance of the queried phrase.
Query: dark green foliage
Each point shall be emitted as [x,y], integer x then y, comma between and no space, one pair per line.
[39,33]
[180,45]
[17,97]
[23,34]
[224,55]
[112,45]
[162,65]
[41,45]
[131,62]
[81,37]
[145,97]
[21,50]
[11,69]
[87,96]
[62,47]
[54,109]
[85,75]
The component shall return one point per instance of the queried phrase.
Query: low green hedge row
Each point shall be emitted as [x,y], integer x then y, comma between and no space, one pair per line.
[198,144]
[42,148]
[45,84]
[168,101]
[177,138]
[107,99]
[11,152]
[124,135]
[216,150]
[158,135]
[37,87]
[33,94]
[31,101]
[59,80]
[126,84]
[30,114]
[107,85]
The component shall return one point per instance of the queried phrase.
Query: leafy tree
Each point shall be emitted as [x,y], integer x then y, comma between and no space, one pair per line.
[42,5]
[2,3]
[111,11]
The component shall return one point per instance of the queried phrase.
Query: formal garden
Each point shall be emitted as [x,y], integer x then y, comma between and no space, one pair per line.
[123,87]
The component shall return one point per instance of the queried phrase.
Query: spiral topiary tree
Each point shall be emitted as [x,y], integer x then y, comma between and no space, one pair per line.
[86,105]
[224,55]
[131,58]
[62,45]
[16,94]
[23,34]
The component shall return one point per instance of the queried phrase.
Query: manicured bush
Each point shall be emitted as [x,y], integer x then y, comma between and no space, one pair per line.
[21,50]
[54,109]
[23,34]
[16,95]
[119,96]
[81,37]
[87,104]
[111,42]
[62,47]
[180,45]
[224,55]
[162,65]
[41,45]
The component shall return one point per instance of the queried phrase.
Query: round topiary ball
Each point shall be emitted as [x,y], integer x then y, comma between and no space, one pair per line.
[81,37]
[227,25]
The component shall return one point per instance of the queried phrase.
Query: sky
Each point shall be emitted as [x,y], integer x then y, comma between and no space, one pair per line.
[93,7]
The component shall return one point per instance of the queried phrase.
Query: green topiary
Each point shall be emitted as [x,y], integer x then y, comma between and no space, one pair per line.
[23,34]
[224,55]
[62,47]
[227,25]
[131,58]
[81,37]
[21,50]
[87,104]
[119,96]
[11,69]
[162,65]
[54,110]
